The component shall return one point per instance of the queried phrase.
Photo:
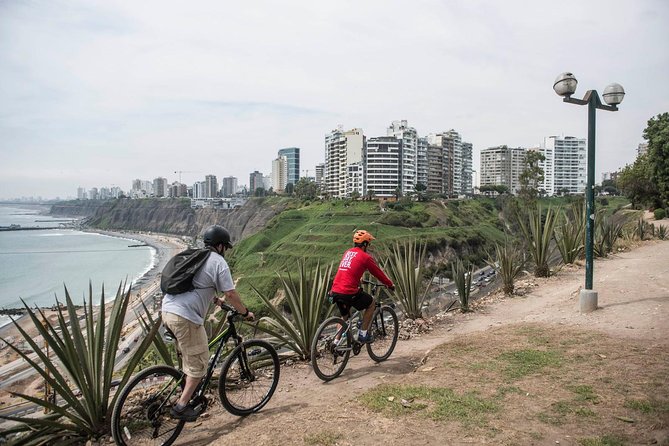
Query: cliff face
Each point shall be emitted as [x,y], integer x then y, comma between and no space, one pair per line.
[169,216]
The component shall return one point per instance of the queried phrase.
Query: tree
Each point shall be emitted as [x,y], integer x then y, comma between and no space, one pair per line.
[289,189]
[259,192]
[420,189]
[657,135]
[370,194]
[531,175]
[398,193]
[635,181]
[306,188]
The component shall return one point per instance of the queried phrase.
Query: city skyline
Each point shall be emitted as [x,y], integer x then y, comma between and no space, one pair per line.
[100,94]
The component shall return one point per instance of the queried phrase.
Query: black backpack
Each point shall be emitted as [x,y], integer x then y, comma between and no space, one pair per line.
[177,276]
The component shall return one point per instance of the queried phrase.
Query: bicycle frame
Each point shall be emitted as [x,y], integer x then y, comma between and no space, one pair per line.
[221,339]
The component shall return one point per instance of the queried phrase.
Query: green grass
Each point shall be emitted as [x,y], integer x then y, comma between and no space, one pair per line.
[647,406]
[520,363]
[321,231]
[325,438]
[437,403]
[606,440]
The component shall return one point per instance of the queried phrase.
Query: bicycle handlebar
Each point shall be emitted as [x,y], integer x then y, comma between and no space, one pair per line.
[375,284]
[227,307]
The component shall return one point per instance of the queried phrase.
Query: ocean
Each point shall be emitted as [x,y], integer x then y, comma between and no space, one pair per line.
[35,265]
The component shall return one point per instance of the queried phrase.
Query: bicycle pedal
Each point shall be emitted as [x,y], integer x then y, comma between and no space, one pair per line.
[356,348]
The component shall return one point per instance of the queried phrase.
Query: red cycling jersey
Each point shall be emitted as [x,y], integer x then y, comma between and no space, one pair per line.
[353,265]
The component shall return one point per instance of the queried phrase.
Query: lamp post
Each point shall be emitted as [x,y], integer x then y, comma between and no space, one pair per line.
[565,85]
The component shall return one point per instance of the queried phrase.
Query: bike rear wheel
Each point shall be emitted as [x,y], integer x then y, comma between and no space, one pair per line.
[249,377]
[141,414]
[329,357]
[385,329]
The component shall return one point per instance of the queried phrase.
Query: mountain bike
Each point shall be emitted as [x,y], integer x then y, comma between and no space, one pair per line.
[334,340]
[247,381]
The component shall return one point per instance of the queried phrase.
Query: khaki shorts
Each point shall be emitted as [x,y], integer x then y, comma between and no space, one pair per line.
[192,342]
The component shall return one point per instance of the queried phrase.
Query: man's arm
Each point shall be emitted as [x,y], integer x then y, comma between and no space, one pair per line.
[378,272]
[233,298]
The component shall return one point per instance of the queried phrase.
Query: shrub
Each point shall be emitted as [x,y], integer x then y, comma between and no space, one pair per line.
[660,214]
[305,297]
[509,263]
[462,276]
[406,263]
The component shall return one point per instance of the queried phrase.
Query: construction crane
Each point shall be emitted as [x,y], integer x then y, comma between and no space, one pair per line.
[184,171]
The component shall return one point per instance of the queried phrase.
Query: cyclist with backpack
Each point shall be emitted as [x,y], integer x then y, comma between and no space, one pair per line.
[346,291]
[184,313]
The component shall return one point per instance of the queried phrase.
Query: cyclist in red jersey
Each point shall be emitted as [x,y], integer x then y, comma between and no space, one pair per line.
[346,291]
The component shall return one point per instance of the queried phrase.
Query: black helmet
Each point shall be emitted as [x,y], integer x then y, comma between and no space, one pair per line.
[216,234]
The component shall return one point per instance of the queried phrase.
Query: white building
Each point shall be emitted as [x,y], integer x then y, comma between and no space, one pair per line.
[502,166]
[421,161]
[408,153]
[642,149]
[279,174]
[383,166]
[565,167]
[343,157]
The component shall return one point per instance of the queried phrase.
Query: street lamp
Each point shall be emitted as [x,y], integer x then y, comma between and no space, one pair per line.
[565,85]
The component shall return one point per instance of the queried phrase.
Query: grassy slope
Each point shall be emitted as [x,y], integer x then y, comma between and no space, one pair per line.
[321,231]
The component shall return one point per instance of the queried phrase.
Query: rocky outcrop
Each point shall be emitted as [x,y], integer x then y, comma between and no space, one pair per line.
[170,216]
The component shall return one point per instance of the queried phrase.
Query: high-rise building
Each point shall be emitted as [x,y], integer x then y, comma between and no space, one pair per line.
[160,187]
[440,163]
[93,194]
[454,144]
[642,149]
[383,166]
[319,176]
[81,193]
[211,186]
[292,155]
[502,166]
[467,168]
[229,186]
[200,189]
[408,154]
[255,182]
[344,153]
[279,174]
[421,161]
[178,190]
[565,165]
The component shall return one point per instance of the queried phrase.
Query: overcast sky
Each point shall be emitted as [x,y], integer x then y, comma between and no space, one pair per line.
[96,94]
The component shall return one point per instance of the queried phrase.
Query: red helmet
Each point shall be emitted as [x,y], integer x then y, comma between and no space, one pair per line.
[362,236]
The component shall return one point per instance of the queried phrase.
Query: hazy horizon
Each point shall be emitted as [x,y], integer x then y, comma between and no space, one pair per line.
[96,94]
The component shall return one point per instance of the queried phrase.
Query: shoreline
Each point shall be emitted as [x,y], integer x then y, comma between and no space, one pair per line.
[164,247]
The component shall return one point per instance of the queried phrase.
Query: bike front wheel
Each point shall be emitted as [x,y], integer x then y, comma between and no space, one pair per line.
[249,377]
[141,414]
[385,329]
[331,348]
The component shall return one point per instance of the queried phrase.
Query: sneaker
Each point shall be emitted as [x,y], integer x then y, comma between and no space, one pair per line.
[187,413]
[368,339]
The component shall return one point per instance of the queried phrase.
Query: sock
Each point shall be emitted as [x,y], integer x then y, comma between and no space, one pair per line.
[362,333]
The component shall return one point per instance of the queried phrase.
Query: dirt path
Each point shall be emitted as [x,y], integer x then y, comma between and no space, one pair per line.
[603,379]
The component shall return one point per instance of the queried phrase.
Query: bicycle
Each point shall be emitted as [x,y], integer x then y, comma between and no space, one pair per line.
[334,341]
[248,379]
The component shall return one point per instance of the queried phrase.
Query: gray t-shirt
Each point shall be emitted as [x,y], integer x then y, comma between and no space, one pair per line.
[192,305]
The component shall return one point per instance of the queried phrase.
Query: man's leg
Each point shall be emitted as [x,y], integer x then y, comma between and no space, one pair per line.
[189,388]
[367,316]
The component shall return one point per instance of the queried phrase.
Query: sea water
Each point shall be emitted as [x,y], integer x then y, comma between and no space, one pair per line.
[36,265]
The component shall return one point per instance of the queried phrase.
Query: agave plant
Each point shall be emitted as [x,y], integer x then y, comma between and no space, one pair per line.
[463,282]
[406,262]
[608,229]
[509,263]
[80,371]
[569,235]
[538,233]
[641,229]
[662,232]
[305,296]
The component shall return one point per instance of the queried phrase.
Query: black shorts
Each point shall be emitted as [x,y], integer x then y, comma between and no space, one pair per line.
[344,302]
